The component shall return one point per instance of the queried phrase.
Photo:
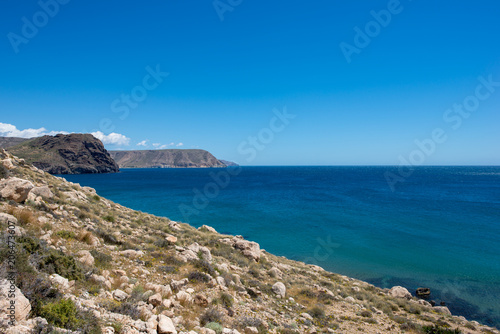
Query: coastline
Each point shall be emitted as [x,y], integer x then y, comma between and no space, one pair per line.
[188,271]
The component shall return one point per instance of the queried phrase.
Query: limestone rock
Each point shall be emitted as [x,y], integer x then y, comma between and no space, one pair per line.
[399,292]
[165,325]
[21,304]
[207,228]
[59,281]
[442,309]
[43,191]
[251,330]
[249,248]
[171,239]
[85,257]
[15,189]
[201,300]
[204,251]
[120,295]
[131,253]
[176,285]
[155,299]
[275,272]
[279,289]
[183,297]
[7,163]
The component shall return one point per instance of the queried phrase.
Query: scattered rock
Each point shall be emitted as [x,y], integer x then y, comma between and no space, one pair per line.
[350,299]
[399,292]
[131,253]
[279,289]
[15,189]
[155,299]
[85,258]
[183,297]
[249,248]
[59,281]
[442,309]
[171,239]
[165,325]
[251,330]
[176,285]
[275,272]
[174,225]
[423,292]
[201,300]
[120,295]
[21,303]
[207,228]
[43,192]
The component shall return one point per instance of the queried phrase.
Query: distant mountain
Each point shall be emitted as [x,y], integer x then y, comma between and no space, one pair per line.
[65,154]
[171,158]
[229,163]
[11,141]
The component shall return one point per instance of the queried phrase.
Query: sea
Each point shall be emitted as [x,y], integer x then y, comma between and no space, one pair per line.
[436,227]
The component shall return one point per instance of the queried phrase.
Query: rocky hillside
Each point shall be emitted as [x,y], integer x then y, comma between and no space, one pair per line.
[66,154]
[11,141]
[74,262]
[171,158]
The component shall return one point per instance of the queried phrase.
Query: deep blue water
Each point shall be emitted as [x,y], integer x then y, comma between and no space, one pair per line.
[439,229]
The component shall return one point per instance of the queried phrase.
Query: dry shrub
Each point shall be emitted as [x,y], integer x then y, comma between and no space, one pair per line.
[85,236]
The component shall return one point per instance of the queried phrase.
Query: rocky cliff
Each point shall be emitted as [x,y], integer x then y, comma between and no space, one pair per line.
[66,154]
[172,158]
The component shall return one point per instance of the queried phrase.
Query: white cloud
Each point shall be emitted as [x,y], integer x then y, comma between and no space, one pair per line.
[9,130]
[112,138]
[164,146]
[142,143]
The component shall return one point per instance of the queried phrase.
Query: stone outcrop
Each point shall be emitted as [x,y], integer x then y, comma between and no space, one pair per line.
[66,154]
[279,289]
[14,306]
[250,249]
[399,292]
[15,189]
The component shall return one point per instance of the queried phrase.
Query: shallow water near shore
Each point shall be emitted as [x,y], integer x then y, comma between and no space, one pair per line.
[440,228]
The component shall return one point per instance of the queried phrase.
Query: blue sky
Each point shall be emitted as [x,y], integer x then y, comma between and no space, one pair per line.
[227,78]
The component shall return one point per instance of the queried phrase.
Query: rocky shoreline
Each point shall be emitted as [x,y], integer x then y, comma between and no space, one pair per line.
[80,263]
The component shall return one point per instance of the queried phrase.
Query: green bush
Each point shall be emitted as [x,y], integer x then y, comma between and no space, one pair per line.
[109,218]
[196,276]
[29,244]
[317,312]
[61,313]
[226,300]
[215,327]
[211,315]
[206,267]
[102,260]
[439,330]
[4,172]
[107,237]
[66,234]
[57,262]
[366,314]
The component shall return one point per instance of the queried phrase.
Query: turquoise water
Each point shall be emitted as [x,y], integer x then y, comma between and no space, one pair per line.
[439,229]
